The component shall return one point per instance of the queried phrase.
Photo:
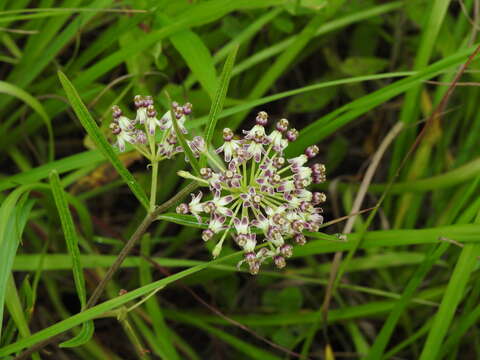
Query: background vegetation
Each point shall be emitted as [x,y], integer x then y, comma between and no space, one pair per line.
[346,74]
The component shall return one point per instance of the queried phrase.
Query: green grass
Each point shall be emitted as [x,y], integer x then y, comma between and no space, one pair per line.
[343,74]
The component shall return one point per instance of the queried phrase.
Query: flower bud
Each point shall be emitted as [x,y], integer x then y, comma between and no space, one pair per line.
[318,179]
[187,108]
[115,128]
[318,169]
[116,111]
[286,250]
[279,162]
[318,197]
[292,135]
[311,151]
[206,173]
[282,125]
[300,239]
[182,209]
[207,234]
[262,118]
[254,267]
[140,137]
[138,100]
[279,262]
[227,134]
[151,112]
[298,226]
[250,257]
[242,240]
[147,101]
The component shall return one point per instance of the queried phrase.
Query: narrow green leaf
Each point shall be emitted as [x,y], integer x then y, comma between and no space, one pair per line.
[13,90]
[250,351]
[187,220]
[454,293]
[13,217]
[84,336]
[71,239]
[108,305]
[196,54]
[382,339]
[221,93]
[411,108]
[17,312]
[65,164]
[99,139]
[331,122]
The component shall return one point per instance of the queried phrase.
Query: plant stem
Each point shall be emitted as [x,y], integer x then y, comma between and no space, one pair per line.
[153,188]
[147,221]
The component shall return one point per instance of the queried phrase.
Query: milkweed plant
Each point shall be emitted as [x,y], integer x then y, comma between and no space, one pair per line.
[252,191]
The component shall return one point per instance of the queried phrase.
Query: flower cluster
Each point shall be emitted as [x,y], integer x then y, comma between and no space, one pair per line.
[141,131]
[257,191]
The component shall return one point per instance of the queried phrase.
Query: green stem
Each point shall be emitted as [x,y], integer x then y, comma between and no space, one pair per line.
[153,189]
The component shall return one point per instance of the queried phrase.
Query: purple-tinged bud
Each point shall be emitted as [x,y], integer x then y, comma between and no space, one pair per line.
[300,239]
[282,125]
[227,134]
[187,108]
[151,112]
[140,137]
[254,267]
[318,168]
[207,234]
[318,198]
[286,250]
[209,207]
[172,139]
[182,209]
[279,162]
[298,226]
[206,173]
[292,135]
[175,105]
[262,118]
[311,151]
[148,101]
[138,101]
[305,206]
[300,184]
[116,111]
[250,257]
[115,128]
[279,219]
[242,239]
[318,179]
[279,262]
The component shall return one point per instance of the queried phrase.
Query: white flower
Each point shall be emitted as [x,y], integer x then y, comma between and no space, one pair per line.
[259,193]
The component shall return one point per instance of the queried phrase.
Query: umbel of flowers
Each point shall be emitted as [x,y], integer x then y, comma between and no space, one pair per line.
[141,131]
[258,195]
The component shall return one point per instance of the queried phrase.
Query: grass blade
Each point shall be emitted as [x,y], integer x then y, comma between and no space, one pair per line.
[13,90]
[219,100]
[13,217]
[196,55]
[99,139]
[72,244]
[382,339]
[454,293]
[108,305]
